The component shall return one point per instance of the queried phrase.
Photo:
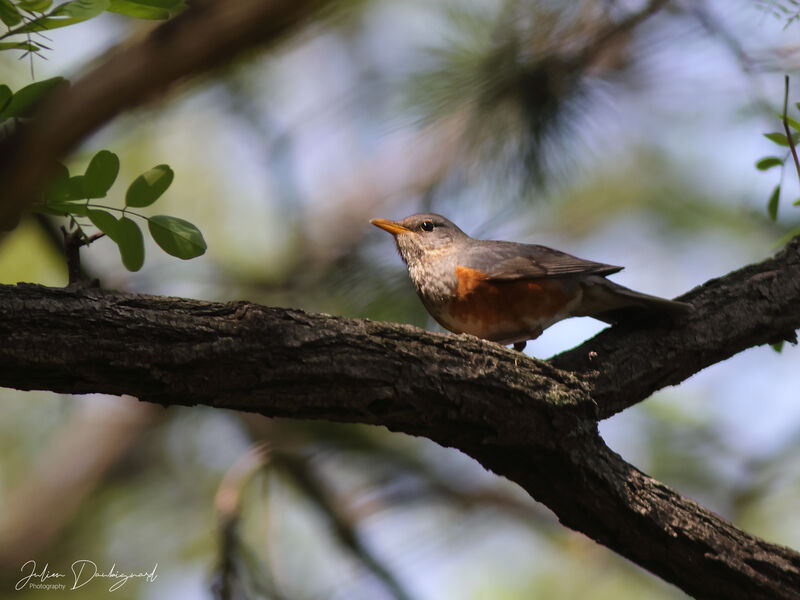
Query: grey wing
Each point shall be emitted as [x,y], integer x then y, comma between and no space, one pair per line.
[509,261]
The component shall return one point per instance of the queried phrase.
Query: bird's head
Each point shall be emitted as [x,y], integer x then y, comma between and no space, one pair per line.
[423,234]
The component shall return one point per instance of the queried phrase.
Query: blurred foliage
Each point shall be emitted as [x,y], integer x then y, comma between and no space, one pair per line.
[282,159]
[516,73]
[785,10]
[26,21]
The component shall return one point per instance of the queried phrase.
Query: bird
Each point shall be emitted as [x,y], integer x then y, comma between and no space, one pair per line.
[509,292]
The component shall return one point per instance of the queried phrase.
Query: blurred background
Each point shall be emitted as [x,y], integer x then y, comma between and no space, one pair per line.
[620,131]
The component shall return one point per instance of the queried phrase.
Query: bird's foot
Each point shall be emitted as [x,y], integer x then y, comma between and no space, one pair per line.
[520,346]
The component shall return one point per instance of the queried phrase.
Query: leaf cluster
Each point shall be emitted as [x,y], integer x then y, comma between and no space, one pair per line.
[789,142]
[71,196]
[782,9]
[507,70]
[26,18]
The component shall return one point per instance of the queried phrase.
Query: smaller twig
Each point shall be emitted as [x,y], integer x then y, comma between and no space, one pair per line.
[228,580]
[73,240]
[786,126]
[299,470]
[72,243]
[33,74]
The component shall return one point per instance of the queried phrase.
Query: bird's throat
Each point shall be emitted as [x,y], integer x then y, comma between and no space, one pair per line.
[435,280]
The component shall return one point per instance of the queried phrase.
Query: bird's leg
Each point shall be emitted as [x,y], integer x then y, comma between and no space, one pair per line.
[520,346]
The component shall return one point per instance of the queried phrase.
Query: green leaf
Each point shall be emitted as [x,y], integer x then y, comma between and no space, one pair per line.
[62,208]
[5,96]
[27,46]
[56,191]
[79,210]
[772,205]
[100,174]
[796,202]
[129,8]
[777,347]
[793,123]
[780,139]
[105,222]
[9,13]
[49,209]
[768,162]
[81,9]
[149,186]
[172,5]
[75,189]
[65,14]
[131,244]
[777,138]
[25,101]
[176,236]
[34,5]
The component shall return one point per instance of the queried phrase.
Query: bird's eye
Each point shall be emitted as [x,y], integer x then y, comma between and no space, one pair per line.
[426,226]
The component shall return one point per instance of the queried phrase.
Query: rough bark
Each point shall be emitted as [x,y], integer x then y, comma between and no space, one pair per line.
[759,304]
[523,418]
[593,490]
[282,362]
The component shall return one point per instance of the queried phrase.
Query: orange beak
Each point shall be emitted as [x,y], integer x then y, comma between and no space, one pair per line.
[390,226]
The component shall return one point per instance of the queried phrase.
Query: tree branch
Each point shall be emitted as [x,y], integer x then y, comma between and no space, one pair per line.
[73,242]
[523,418]
[281,362]
[343,528]
[592,490]
[759,304]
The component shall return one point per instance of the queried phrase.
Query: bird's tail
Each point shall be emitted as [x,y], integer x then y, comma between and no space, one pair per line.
[612,303]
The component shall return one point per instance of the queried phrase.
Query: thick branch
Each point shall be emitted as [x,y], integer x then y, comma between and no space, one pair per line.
[594,491]
[199,39]
[282,362]
[520,417]
[759,304]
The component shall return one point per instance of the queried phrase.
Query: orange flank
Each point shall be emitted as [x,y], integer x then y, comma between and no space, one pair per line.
[500,310]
